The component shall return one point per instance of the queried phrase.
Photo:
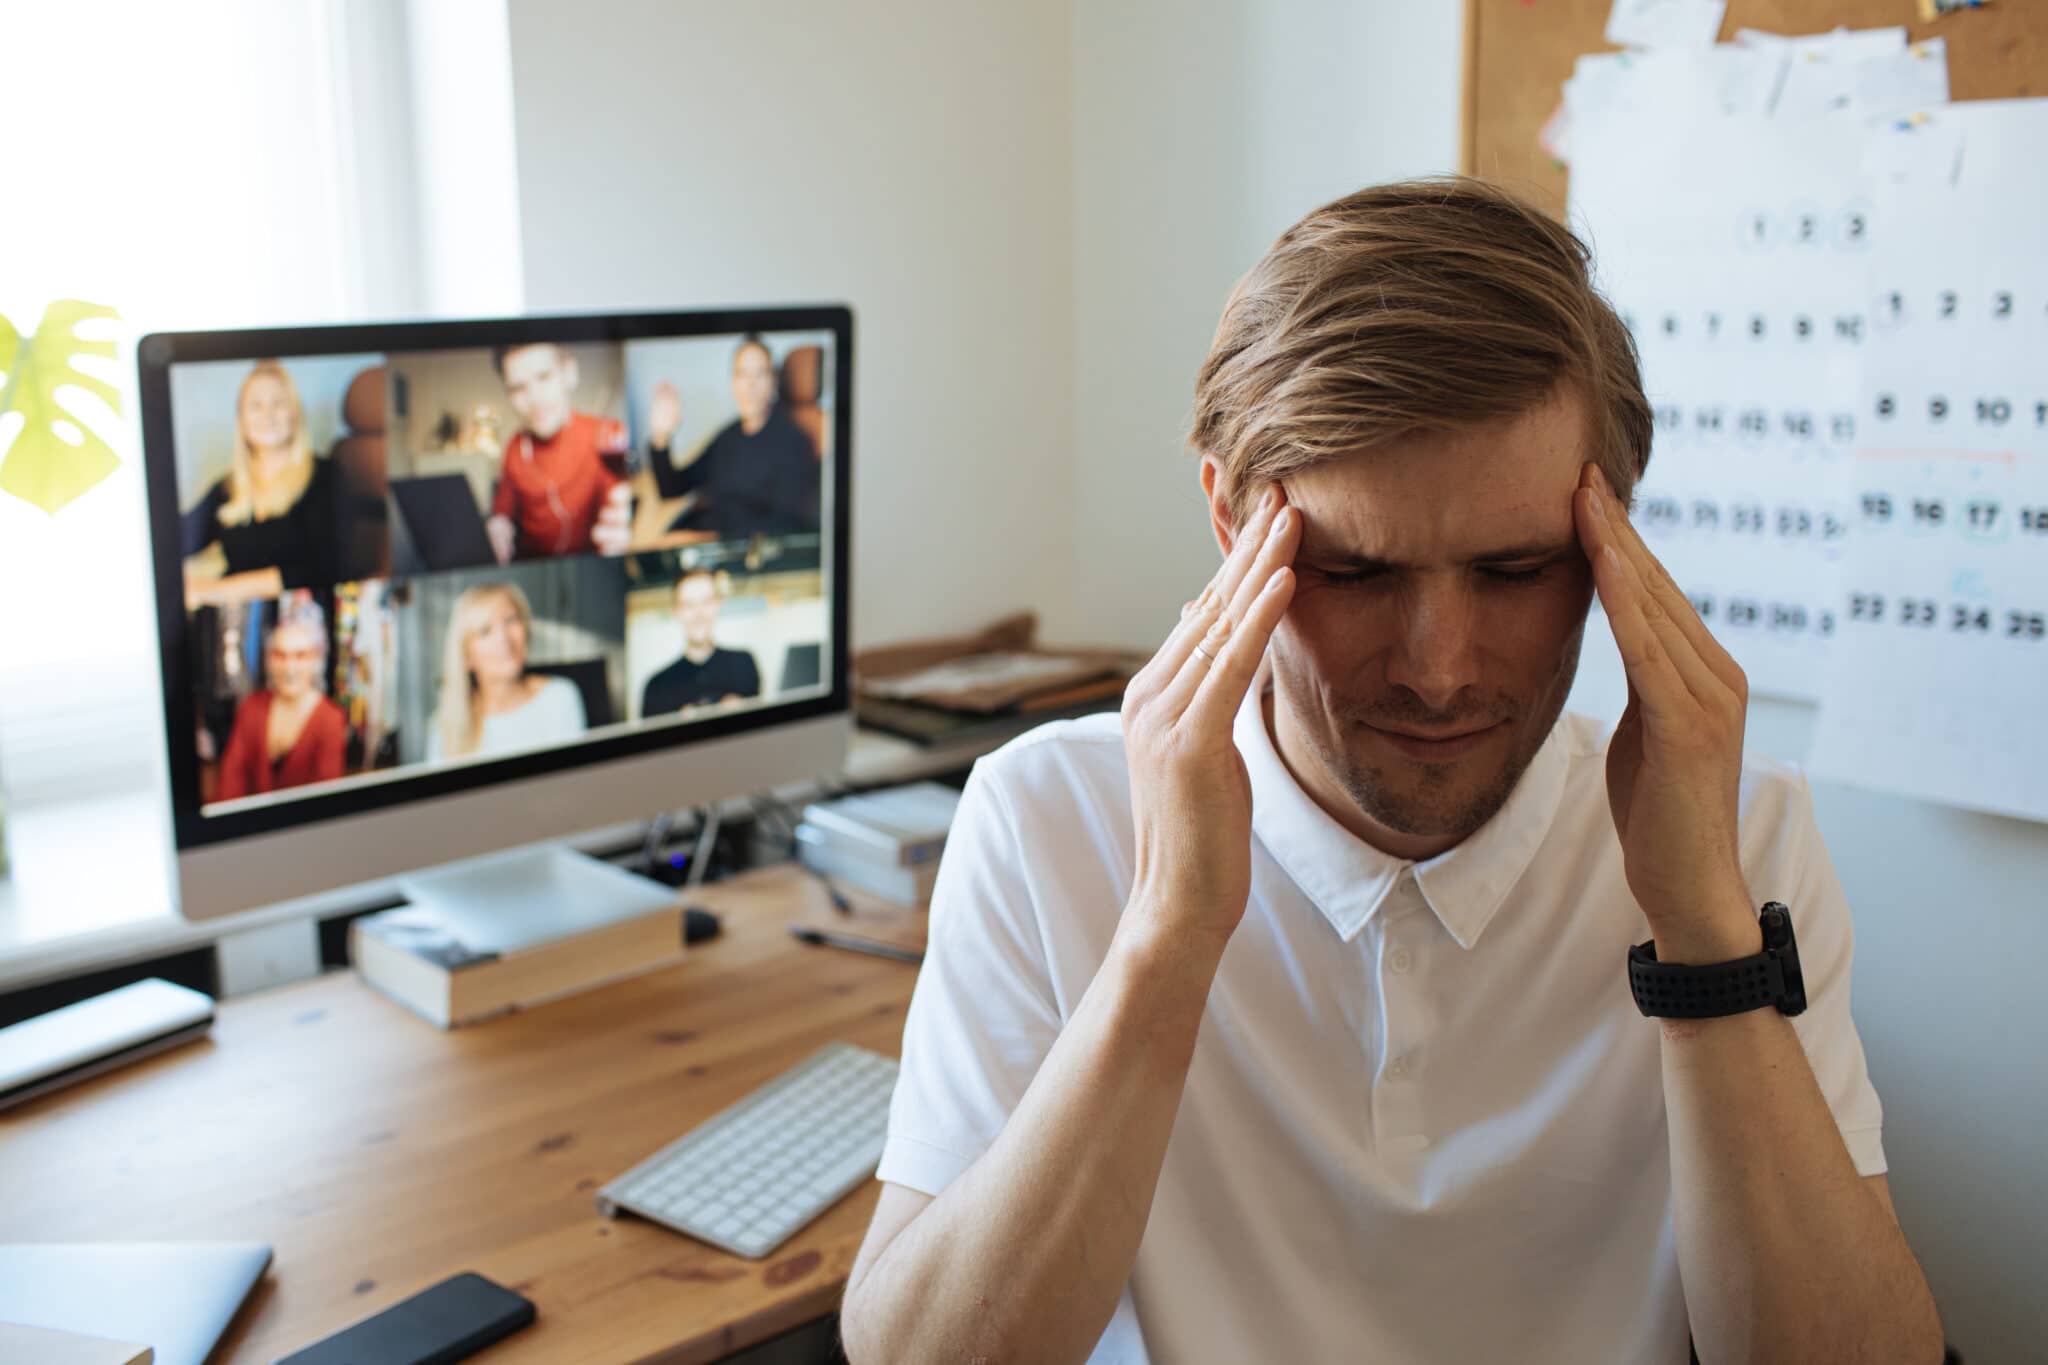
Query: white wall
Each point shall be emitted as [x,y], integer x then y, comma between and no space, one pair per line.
[1201,132]
[911,158]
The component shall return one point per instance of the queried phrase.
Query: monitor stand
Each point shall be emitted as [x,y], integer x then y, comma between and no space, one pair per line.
[502,901]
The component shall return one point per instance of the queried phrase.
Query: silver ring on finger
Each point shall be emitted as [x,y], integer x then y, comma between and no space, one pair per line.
[1205,654]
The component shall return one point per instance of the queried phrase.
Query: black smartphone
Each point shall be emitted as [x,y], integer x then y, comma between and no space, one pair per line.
[453,1320]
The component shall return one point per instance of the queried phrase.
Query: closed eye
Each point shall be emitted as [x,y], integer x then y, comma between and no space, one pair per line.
[1354,576]
[1343,577]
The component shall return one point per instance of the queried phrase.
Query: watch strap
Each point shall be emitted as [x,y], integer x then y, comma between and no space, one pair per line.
[1685,990]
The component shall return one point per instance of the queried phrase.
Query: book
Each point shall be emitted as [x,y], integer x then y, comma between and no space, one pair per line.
[820,852]
[449,975]
[902,826]
[47,1347]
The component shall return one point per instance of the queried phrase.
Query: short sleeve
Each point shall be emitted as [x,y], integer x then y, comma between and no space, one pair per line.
[1826,939]
[982,1016]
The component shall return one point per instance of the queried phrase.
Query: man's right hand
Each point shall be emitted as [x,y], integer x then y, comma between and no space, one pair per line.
[1190,795]
[664,415]
[503,535]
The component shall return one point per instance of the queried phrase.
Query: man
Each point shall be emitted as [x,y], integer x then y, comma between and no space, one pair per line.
[562,483]
[1285,1018]
[705,674]
[759,475]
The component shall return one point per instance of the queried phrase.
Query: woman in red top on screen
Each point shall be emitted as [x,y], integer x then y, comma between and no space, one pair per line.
[290,733]
[562,484]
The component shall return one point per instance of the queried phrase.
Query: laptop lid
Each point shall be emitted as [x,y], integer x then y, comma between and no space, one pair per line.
[178,1297]
[441,517]
[801,667]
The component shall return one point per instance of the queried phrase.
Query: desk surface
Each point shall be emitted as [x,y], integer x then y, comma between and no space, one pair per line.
[377,1155]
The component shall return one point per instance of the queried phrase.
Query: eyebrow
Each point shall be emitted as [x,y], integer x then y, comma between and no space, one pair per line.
[1507,554]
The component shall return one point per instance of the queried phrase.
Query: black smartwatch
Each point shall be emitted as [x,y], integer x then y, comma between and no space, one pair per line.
[1684,990]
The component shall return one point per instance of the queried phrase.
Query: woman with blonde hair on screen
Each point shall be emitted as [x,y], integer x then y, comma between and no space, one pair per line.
[490,703]
[269,524]
[290,732]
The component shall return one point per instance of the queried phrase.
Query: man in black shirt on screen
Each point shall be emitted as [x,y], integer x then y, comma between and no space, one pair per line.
[759,475]
[705,675]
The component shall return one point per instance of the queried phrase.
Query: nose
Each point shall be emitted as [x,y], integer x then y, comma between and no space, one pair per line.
[1435,653]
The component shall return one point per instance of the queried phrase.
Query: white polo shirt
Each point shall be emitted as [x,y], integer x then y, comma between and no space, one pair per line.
[1424,1121]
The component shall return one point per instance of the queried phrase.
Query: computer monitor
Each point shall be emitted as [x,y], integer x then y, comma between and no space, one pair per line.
[662,505]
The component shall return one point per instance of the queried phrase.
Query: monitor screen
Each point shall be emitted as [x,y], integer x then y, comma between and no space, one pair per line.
[395,562]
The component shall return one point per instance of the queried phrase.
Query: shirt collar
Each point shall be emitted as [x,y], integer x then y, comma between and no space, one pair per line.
[1348,879]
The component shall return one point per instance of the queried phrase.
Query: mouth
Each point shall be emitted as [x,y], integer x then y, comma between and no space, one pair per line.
[1435,749]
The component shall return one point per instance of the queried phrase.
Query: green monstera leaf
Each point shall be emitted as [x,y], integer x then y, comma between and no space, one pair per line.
[56,458]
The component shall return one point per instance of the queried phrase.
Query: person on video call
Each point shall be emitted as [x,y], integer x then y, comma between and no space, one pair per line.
[490,704]
[758,476]
[1287,1016]
[562,482]
[288,733]
[706,675]
[270,523]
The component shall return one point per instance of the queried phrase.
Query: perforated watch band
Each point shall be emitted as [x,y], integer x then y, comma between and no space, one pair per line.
[1683,990]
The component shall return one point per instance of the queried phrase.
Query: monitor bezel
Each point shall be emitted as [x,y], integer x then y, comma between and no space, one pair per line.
[157,352]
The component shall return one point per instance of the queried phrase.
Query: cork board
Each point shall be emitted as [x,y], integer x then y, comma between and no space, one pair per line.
[1519,52]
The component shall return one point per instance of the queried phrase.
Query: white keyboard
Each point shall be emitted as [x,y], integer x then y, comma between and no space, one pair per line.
[747,1178]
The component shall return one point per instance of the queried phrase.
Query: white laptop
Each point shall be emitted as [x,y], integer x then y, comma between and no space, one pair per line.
[67,1045]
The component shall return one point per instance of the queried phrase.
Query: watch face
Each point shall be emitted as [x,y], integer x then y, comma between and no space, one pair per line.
[1795,984]
[1779,943]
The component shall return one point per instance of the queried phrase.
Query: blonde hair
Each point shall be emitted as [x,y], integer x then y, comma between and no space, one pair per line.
[1422,305]
[456,718]
[245,502]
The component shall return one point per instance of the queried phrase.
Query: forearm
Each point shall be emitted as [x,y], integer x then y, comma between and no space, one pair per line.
[1785,1252]
[669,480]
[1025,1254]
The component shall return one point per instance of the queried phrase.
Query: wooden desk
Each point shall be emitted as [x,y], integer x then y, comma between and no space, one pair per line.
[377,1155]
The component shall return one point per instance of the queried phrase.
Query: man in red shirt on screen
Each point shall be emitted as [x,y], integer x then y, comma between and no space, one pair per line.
[562,484]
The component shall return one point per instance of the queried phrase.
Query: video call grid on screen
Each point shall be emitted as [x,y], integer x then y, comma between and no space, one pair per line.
[399,561]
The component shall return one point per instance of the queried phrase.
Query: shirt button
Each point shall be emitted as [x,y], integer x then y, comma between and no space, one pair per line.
[1398,1068]
[1401,961]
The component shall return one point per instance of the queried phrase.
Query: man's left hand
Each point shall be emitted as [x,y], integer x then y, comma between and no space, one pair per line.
[1674,764]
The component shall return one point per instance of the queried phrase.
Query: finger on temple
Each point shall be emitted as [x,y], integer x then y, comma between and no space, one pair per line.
[1213,708]
[1276,549]
[1647,651]
[1657,579]
[1244,547]
[1282,538]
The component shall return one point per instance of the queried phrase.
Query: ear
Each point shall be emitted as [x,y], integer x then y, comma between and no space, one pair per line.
[1215,492]
[569,371]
